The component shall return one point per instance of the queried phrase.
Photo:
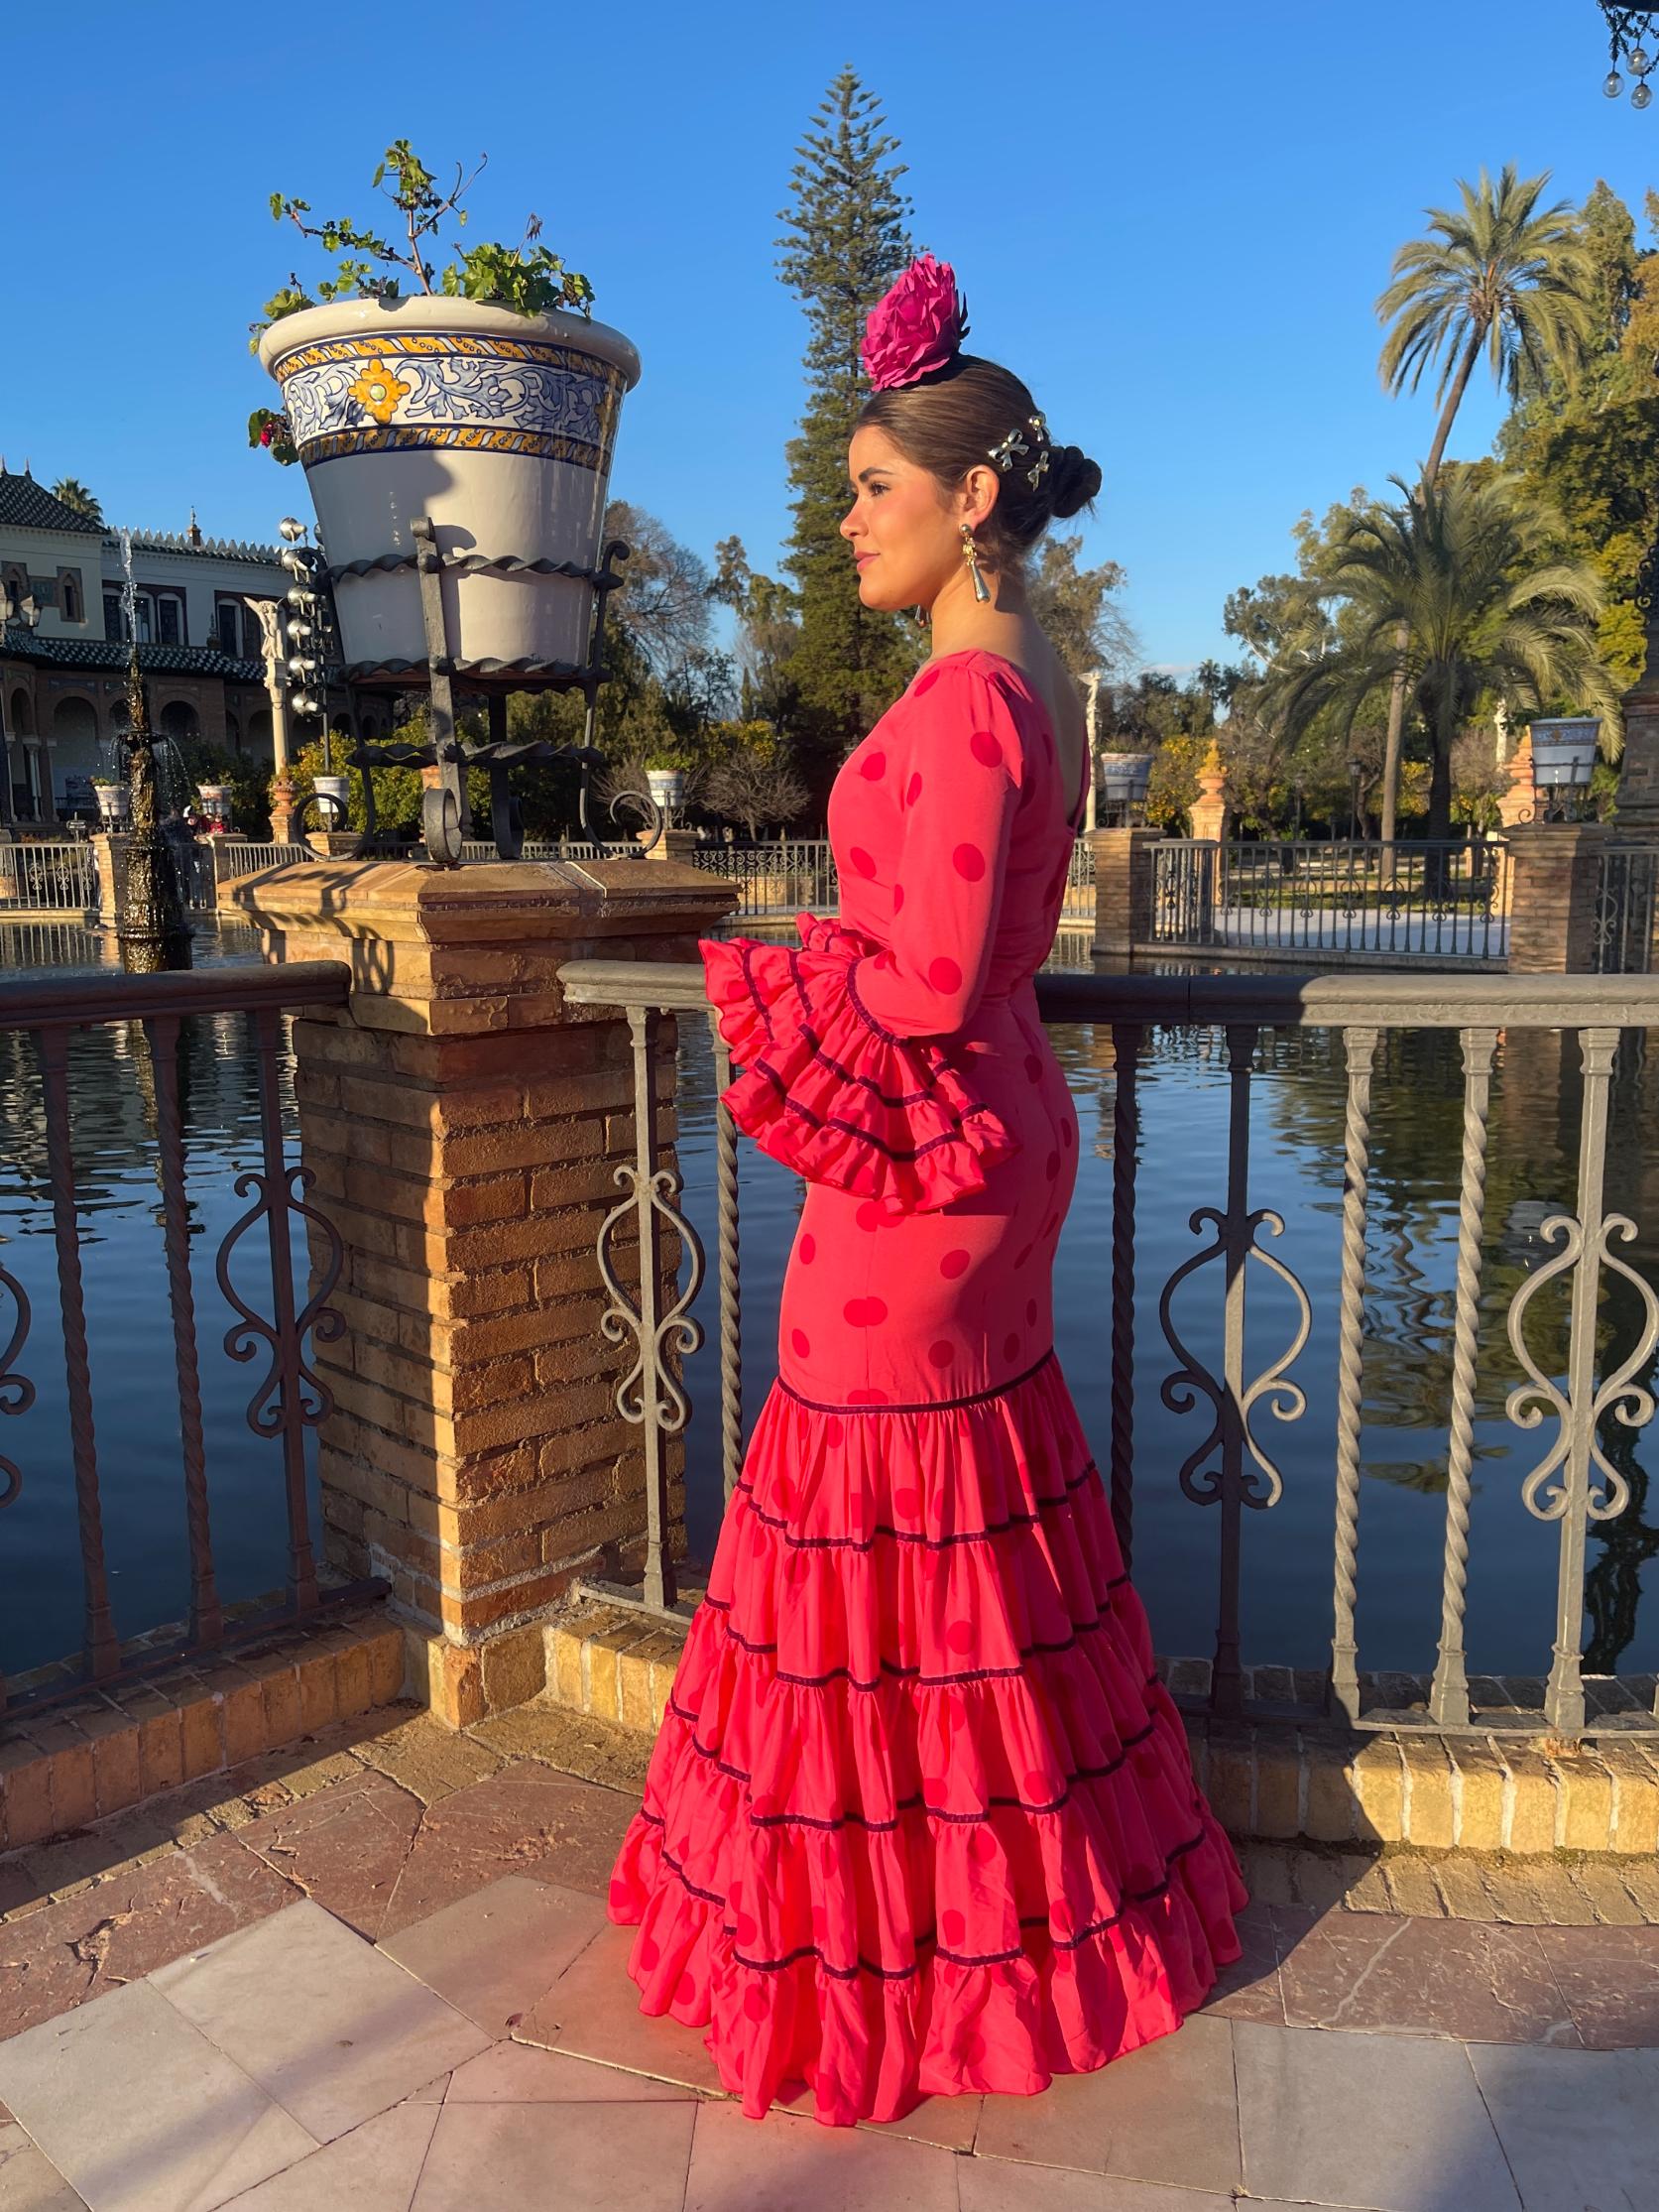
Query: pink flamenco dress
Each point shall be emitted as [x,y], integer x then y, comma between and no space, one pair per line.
[920,1819]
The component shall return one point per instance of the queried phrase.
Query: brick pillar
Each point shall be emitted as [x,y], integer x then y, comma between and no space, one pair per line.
[674,844]
[1638,776]
[465,1128]
[1556,870]
[1124,888]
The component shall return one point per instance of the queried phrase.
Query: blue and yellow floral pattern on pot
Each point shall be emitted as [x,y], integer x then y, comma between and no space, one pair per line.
[394,392]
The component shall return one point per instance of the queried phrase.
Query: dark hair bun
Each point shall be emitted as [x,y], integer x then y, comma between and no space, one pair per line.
[1073,480]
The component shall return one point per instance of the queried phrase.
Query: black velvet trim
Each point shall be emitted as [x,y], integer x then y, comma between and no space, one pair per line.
[922,1405]
[930,1939]
[911,1536]
[893,1671]
[916,1803]
[887,1037]
[761,1006]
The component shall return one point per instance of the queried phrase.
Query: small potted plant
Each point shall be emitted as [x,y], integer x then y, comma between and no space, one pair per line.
[114,799]
[485,395]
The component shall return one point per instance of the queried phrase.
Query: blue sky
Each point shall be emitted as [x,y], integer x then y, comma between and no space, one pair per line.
[1172,222]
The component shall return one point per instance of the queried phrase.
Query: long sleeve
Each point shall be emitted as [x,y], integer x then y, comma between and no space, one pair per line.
[843,1040]
[963,775]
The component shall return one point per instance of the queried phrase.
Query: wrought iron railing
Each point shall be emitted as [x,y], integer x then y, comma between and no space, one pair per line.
[272,1335]
[249,856]
[1627,910]
[1597,1392]
[781,879]
[1415,900]
[47,876]
[557,848]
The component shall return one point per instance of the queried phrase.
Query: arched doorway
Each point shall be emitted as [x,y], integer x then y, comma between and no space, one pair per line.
[180,722]
[260,740]
[78,754]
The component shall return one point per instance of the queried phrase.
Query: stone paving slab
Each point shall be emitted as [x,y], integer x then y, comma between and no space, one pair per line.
[493,1954]
[330,2029]
[373,2168]
[518,2158]
[139,2111]
[1380,2123]
[1577,2128]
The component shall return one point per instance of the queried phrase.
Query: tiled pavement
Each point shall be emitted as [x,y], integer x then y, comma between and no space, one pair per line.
[376,1976]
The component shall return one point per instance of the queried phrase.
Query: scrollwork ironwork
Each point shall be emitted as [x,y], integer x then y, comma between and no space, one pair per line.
[1180,1391]
[291,1393]
[675,1331]
[17,1392]
[1627,1400]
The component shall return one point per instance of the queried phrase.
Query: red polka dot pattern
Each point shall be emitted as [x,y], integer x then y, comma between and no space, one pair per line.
[940,1354]
[913,789]
[807,1249]
[954,1262]
[861,862]
[873,767]
[865,1314]
[985,749]
[969,862]
[800,1344]
[943,973]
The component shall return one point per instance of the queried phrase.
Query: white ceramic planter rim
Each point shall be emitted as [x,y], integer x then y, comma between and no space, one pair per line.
[416,315]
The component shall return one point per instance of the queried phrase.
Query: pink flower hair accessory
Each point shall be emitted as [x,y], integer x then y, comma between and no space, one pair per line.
[917,329]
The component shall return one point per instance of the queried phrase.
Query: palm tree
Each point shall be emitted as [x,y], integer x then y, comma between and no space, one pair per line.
[1459,571]
[73,493]
[1500,276]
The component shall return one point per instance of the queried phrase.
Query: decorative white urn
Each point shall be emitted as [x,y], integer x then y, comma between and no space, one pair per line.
[498,426]
[667,788]
[335,794]
[115,803]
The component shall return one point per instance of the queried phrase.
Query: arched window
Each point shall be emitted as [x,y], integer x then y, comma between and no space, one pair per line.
[68,597]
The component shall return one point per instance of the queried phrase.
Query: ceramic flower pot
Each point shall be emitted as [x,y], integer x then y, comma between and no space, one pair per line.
[115,803]
[335,794]
[498,425]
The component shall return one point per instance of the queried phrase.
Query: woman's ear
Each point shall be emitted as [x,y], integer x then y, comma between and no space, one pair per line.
[978,494]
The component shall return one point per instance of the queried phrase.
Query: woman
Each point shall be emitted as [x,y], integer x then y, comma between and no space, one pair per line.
[920,1819]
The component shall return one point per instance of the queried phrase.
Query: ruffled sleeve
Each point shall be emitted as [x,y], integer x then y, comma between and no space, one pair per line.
[832,1093]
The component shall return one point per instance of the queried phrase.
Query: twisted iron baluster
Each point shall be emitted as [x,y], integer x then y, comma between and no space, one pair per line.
[731,1311]
[1126,1141]
[206,1618]
[1359,1047]
[1448,1693]
[102,1652]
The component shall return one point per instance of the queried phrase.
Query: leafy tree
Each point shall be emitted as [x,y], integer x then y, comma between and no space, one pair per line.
[73,493]
[1076,609]
[1498,276]
[1459,571]
[769,632]
[844,241]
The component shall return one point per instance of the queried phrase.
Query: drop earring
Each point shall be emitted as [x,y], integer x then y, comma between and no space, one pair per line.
[971,554]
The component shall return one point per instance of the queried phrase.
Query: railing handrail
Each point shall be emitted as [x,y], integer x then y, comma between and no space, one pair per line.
[1415,1001]
[43,1002]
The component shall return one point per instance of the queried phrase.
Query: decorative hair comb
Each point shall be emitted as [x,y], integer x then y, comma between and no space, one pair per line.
[1016,442]
[917,327]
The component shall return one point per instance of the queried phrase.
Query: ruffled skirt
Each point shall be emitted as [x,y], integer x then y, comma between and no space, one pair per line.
[920,1819]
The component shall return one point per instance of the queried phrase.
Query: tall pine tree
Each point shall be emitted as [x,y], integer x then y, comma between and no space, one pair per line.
[844,243]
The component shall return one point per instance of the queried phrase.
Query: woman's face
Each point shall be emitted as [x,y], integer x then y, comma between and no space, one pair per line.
[904,539]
